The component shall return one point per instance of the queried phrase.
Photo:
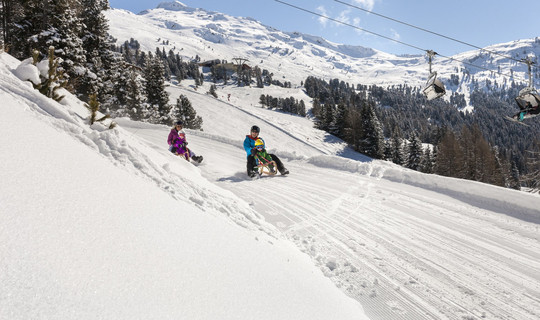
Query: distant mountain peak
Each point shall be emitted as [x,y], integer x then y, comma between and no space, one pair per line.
[173,6]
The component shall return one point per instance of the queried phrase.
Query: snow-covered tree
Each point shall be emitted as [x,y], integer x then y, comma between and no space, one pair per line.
[45,23]
[102,63]
[414,152]
[396,145]
[54,80]
[136,106]
[156,95]
[212,91]
[371,138]
[258,77]
[426,165]
[184,111]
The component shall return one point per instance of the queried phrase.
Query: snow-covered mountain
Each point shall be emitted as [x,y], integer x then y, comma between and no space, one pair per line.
[294,56]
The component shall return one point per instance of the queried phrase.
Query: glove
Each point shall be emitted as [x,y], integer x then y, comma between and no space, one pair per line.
[253,151]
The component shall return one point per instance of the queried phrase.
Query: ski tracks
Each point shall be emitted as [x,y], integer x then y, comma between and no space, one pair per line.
[403,253]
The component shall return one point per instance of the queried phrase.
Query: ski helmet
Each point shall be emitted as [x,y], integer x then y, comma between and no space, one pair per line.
[259,144]
[179,123]
[255,129]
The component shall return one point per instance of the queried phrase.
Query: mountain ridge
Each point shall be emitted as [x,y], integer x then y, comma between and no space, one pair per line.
[295,55]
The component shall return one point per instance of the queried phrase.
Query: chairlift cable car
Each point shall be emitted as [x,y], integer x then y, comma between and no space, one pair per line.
[528,99]
[434,87]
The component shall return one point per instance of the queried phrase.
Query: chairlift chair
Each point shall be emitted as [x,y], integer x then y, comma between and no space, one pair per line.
[528,97]
[434,87]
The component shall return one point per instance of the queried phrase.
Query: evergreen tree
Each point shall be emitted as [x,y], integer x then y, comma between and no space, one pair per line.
[258,77]
[353,127]
[45,23]
[302,108]
[398,155]
[263,100]
[414,153]
[93,107]
[371,139]
[32,19]
[337,127]
[11,11]
[450,158]
[62,32]
[104,66]
[55,80]
[156,95]
[426,165]
[387,150]
[532,179]
[136,106]
[316,108]
[213,91]
[184,111]
[514,181]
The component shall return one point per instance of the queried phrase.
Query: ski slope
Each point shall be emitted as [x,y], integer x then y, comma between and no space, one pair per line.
[109,223]
[404,244]
[98,224]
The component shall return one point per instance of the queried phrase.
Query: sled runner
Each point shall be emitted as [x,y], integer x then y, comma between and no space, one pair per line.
[265,166]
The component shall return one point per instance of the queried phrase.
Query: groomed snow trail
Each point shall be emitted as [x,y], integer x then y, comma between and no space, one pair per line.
[404,252]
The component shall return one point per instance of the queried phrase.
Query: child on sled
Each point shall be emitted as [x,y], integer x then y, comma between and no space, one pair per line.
[252,152]
[178,144]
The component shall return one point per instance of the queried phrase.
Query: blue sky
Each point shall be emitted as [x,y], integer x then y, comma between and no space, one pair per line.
[477,22]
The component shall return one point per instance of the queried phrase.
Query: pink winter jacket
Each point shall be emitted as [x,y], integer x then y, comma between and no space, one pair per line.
[173,135]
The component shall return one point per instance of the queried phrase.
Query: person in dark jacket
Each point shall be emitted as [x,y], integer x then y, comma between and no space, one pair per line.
[178,143]
[251,150]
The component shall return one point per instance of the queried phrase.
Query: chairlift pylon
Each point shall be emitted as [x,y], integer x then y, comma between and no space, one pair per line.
[434,87]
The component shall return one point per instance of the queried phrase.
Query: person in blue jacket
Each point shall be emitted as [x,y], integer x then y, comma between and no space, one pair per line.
[249,146]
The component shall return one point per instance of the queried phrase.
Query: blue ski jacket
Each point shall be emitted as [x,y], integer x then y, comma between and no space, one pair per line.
[249,143]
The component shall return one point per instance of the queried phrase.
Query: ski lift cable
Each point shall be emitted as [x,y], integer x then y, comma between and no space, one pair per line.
[348,24]
[388,38]
[429,31]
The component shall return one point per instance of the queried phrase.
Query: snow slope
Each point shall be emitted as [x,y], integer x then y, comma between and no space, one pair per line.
[405,244]
[118,227]
[97,224]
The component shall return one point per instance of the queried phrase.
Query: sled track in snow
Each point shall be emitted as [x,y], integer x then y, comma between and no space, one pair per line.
[353,239]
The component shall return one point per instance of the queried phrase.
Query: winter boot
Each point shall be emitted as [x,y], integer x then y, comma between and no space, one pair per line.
[284,171]
[197,159]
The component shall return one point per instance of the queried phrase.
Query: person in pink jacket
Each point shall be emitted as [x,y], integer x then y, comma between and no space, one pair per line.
[178,143]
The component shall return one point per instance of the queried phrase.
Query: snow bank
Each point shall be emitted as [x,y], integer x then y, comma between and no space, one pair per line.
[510,202]
[110,228]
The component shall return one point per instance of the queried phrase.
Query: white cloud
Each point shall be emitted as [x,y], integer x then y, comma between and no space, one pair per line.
[343,17]
[395,35]
[366,4]
[322,21]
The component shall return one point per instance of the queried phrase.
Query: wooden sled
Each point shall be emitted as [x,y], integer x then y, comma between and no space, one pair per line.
[264,167]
